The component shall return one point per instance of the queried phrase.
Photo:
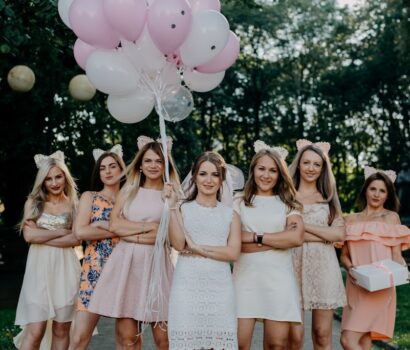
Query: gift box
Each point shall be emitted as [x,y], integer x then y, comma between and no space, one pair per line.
[380,275]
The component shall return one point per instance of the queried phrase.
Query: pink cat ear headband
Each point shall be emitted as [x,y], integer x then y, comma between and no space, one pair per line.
[324,146]
[368,171]
[143,140]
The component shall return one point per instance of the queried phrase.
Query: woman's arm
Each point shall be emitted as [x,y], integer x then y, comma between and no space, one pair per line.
[69,240]
[393,218]
[333,233]
[291,237]
[231,251]
[176,228]
[312,238]
[346,261]
[83,229]
[142,238]
[123,227]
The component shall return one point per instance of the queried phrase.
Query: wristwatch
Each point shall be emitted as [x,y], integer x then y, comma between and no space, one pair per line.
[259,238]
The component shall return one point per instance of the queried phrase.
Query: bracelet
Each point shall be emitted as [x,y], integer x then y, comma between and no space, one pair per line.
[255,239]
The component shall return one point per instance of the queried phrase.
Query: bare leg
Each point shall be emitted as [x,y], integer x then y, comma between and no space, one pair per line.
[322,322]
[296,335]
[160,334]
[61,335]
[351,340]
[84,325]
[33,334]
[245,331]
[127,334]
[366,342]
[275,335]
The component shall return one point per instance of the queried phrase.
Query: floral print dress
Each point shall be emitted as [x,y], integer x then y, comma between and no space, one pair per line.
[96,252]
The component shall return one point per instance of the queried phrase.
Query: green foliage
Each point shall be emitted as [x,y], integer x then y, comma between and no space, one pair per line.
[7,328]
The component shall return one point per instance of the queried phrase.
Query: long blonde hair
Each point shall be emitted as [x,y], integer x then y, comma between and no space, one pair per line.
[283,188]
[38,194]
[136,178]
[325,184]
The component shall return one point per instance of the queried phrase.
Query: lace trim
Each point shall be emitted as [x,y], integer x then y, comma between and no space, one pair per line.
[202,339]
[322,306]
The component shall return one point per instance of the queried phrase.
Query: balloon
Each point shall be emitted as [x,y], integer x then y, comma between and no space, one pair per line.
[169,22]
[80,88]
[110,72]
[81,52]
[127,17]
[144,54]
[201,82]
[208,36]
[170,75]
[63,10]
[177,104]
[200,5]
[224,59]
[90,25]
[21,78]
[131,108]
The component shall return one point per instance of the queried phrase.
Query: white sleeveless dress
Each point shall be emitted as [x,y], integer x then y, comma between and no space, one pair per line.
[50,284]
[202,310]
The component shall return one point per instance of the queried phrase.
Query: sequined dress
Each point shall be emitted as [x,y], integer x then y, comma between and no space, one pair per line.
[51,279]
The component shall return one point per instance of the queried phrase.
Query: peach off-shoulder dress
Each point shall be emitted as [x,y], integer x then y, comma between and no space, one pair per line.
[373,312]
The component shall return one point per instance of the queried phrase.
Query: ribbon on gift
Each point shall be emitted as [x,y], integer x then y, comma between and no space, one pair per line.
[380,266]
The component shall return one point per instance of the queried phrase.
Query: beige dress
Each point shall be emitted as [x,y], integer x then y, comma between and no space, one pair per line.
[51,281]
[317,268]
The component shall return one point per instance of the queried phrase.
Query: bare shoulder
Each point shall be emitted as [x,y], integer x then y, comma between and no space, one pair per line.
[351,218]
[392,218]
[86,196]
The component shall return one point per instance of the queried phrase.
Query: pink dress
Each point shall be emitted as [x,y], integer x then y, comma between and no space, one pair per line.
[373,312]
[122,288]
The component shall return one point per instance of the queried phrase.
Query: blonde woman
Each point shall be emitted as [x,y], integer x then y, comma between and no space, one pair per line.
[50,284]
[123,286]
[91,225]
[271,224]
[316,264]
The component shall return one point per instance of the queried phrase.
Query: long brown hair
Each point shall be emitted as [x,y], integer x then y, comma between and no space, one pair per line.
[392,201]
[136,178]
[96,183]
[325,184]
[284,186]
[214,158]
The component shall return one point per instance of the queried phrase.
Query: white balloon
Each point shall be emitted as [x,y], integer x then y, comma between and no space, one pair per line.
[63,10]
[170,75]
[131,108]
[208,36]
[202,82]
[110,72]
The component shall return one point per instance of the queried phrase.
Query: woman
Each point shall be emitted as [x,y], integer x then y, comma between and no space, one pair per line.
[91,225]
[271,224]
[373,234]
[122,288]
[50,282]
[316,264]
[202,303]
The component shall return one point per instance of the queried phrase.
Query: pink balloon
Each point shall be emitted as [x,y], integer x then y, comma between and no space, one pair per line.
[199,5]
[81,52]
[224,59]
[169,22]
[126,16]
[90,25]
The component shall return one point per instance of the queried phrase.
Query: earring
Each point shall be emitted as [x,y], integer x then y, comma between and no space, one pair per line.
[140,170]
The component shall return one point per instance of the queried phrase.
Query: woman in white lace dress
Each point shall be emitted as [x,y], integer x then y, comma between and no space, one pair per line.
[265,283]
[316,264]
[202,313]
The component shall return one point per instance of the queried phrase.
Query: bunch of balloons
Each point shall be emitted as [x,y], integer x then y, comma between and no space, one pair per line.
[139,52]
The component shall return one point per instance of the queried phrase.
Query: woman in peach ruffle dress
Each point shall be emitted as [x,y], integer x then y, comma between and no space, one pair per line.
[373,234]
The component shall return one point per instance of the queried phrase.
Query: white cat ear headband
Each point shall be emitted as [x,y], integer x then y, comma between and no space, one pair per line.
[40,158]
[324,146]
[260,145]
[117,149]
[368,171]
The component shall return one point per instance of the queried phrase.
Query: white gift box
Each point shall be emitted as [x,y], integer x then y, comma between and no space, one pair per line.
[380,275]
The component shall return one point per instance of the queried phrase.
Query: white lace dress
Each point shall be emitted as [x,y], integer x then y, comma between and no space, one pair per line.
[202,312]
[316,266]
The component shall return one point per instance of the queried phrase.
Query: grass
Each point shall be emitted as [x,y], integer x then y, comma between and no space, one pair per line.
[402,326]
[7,329]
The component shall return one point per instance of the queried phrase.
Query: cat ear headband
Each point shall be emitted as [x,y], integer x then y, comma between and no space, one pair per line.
[368,171]
[143,140]
[260,145]
[117,149]
[324,146]
[40,158]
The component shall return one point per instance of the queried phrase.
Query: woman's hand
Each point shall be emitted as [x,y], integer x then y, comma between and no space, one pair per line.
[193,247]
[101,224]
[30,223]
[352,278]
[167,191]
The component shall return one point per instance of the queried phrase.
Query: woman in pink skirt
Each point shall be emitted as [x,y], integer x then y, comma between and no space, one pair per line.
[373,234]
[122,288]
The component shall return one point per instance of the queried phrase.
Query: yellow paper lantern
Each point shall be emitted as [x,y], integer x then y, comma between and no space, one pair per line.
[21,78]
[80,88]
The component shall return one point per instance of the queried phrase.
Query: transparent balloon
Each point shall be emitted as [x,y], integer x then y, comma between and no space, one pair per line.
[176,104]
